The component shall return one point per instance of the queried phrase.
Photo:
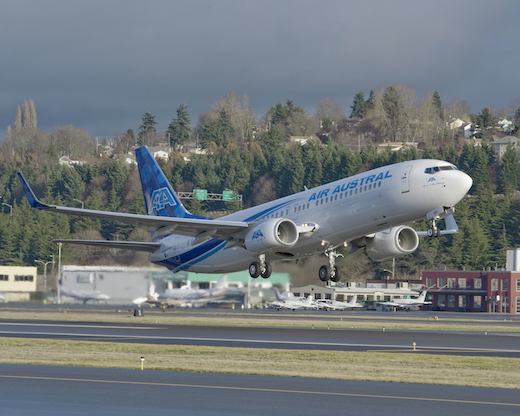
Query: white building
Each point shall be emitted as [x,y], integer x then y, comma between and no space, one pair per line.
[367,295]
[17,282]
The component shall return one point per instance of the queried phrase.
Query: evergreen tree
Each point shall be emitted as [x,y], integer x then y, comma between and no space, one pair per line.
[371,101]
[225,129]
[516,120]
[147,129]
[394,112]
[179,129]
[509,173]
[359,106]
[437,103]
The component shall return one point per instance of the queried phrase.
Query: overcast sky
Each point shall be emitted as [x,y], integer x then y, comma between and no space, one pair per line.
[100,64]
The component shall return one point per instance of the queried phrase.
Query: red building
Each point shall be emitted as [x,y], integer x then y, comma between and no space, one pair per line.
[482,291]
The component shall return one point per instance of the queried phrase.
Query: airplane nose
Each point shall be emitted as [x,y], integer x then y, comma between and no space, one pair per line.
[465,182]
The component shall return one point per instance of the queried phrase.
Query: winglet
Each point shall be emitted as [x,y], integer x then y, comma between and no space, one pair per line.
[33,201]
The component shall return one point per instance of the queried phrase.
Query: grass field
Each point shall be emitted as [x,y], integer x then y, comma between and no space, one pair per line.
[376,366]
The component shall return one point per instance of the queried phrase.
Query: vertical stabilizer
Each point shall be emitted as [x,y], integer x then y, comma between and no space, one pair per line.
[159,197]
[422,296]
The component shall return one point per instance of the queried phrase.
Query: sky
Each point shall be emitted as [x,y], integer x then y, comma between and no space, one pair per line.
[101,64]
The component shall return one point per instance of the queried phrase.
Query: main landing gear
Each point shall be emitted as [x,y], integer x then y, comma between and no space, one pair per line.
[260,268]
[330,271]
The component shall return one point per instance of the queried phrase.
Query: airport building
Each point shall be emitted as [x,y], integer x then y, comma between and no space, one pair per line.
[17,283]
[123,284]
[476,291]
[369,294]
[473,291]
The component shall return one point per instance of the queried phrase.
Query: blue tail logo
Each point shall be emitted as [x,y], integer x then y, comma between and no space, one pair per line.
[161,198]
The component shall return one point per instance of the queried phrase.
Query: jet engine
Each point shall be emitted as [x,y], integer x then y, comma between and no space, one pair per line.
[394,242]
[272,234]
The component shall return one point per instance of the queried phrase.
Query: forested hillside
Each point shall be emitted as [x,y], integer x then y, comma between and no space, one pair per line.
[262,159]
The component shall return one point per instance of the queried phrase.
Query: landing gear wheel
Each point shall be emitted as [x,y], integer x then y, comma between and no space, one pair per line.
[324,273]
[335,275]
[268,269]
[254,269]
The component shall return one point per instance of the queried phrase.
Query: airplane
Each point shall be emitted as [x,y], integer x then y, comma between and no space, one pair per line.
[366,211]
[337,305]
[185,296]
[408,303]
[84,296]
[289,301]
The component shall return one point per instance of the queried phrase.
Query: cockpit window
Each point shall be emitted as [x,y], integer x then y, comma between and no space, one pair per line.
[431,171]
[436,169]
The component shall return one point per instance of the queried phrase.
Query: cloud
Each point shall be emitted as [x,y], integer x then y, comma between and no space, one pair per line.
[101,64]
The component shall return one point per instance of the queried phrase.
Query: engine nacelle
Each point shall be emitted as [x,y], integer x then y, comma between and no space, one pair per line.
[394,242]
[272,234]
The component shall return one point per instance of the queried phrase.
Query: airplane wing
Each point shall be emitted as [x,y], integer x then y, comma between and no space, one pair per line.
[125,245]
[185,226]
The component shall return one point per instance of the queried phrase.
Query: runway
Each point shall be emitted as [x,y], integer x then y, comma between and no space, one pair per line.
[47,390]
[432,342]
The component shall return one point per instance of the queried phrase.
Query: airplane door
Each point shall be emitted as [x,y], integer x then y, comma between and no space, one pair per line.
[405,179]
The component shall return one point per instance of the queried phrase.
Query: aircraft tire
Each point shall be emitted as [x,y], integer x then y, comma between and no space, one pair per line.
[267,272]
[254,269]
[336,277]
[324,273]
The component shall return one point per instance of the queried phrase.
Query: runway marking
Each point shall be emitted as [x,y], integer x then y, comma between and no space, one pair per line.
[406,347]
[263,390]
[77,325]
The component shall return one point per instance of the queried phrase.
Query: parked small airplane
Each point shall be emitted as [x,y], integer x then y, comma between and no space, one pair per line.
[408,303]
[84,296]
[185,296]
[289,301]
[366,211]
[335,305]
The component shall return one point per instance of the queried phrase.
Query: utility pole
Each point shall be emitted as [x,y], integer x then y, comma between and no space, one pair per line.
[58,276]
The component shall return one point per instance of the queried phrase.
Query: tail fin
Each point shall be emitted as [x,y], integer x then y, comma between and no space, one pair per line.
[159,197]
[422,296]
[221,282]
[278,295]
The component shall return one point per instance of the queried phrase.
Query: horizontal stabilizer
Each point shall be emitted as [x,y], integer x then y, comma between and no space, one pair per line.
[125,245]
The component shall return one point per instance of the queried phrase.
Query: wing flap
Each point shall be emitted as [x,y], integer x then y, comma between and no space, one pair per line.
[125,245]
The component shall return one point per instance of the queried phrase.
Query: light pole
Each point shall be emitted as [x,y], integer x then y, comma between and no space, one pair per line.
[44,263]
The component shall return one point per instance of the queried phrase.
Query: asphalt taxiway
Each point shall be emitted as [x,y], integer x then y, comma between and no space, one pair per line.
[433,342]
[48,390]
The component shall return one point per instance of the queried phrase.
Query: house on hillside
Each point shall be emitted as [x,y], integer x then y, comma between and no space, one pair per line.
[67,161]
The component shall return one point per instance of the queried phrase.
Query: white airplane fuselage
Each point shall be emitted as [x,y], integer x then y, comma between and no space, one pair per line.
[342,211]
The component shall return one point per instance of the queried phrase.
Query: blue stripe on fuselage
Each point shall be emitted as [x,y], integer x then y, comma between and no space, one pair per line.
[201,252]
